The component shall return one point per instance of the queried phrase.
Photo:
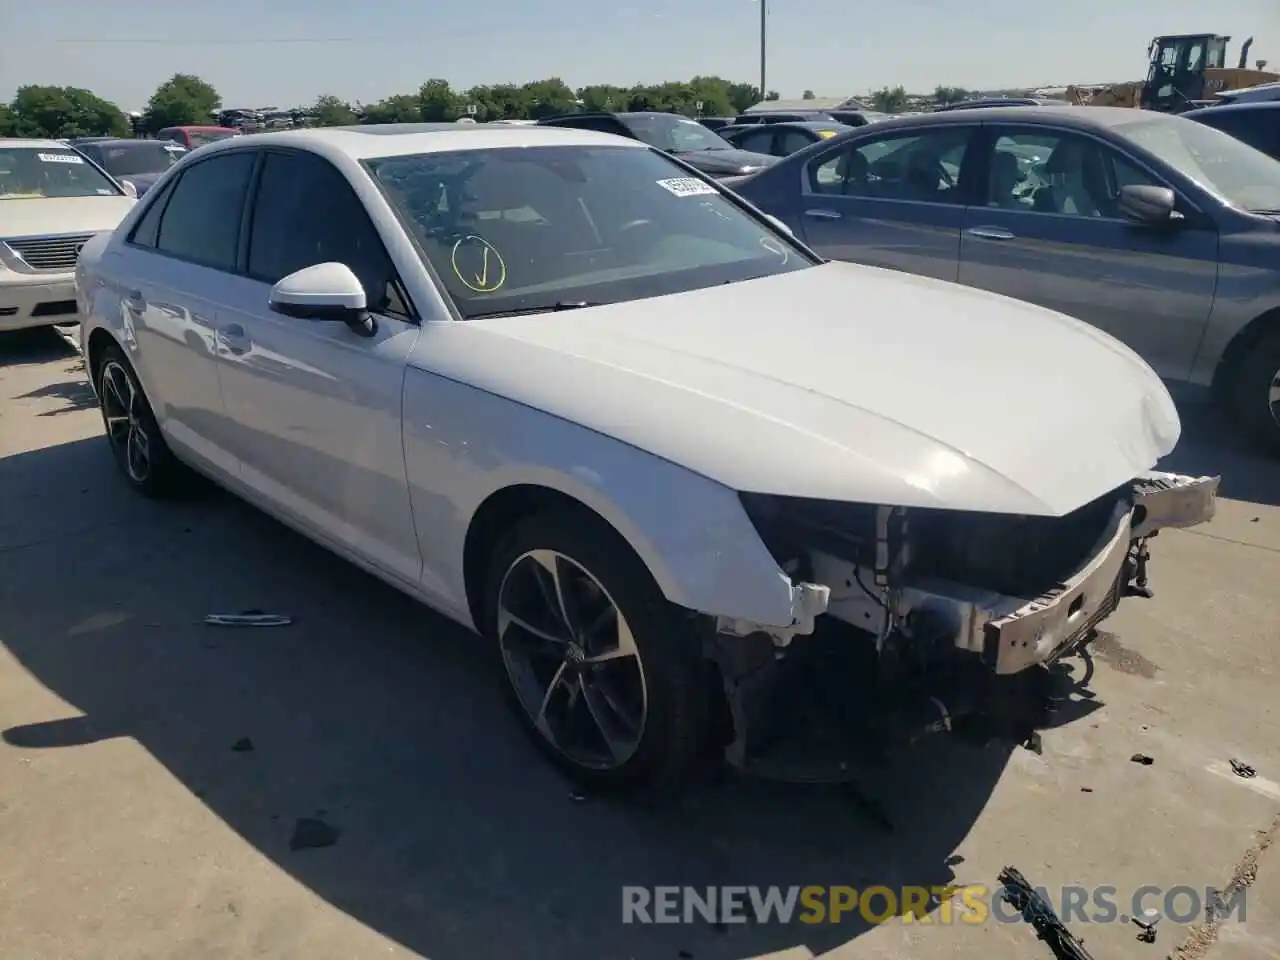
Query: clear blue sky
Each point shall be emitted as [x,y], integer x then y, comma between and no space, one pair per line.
[368,50]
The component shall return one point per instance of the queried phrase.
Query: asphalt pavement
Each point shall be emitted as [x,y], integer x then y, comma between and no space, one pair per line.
[154,770]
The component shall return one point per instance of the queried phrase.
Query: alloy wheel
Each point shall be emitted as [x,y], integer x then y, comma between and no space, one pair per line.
[572,660]
[122,409]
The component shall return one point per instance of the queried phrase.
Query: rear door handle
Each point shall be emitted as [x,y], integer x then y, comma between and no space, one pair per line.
[822,214]
[990,233]
[235,337]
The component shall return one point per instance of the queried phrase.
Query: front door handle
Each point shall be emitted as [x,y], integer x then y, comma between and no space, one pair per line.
[135,301]
[235,337]
[990,233]
[823,214]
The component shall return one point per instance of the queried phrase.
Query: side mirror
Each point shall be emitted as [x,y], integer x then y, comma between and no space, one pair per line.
[779,224]
[1146,204]
[129,189]
[324,292]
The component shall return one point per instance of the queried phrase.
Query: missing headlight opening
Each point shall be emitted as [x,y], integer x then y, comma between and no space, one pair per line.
[911,621]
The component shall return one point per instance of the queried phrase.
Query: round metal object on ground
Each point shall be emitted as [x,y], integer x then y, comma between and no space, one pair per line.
[572,660]
[122,411]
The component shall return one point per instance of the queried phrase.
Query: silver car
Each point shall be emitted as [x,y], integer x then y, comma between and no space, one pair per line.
[1154,228]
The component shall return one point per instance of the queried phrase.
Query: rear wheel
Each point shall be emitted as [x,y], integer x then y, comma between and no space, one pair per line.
[1255,395]
[139,448]
[602,670]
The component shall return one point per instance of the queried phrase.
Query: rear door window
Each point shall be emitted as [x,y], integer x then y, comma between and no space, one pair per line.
[201,222]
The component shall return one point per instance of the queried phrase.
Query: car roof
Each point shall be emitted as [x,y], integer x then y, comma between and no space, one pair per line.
[1079,118]
[404,139]
[9,143]
[1247,107]
[793,124]
[198,127]
[128,142]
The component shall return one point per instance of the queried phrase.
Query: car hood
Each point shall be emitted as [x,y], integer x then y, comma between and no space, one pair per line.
[841,382]
[47,215]
[731,162]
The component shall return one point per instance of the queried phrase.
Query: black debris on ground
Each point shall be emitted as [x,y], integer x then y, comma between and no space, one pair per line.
[1143,759]
[311,833]
[243,745]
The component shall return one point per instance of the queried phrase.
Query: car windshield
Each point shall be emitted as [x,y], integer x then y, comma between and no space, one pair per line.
[674,133]
[30,173]
[142,156]
[549,228]
[1242,176]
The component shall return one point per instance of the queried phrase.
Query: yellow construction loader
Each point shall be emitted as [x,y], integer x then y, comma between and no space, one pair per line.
[1185,71]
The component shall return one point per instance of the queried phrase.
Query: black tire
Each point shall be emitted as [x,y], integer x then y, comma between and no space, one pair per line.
[165,476]
[1250,389]
[678,710]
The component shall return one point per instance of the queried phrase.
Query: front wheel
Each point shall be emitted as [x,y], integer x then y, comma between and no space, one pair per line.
[602,670]
[1256,392]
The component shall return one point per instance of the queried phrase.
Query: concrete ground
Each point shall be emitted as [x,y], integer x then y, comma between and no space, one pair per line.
[130,826]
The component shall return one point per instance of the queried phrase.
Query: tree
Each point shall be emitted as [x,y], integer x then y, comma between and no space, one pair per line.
[808,95]
[890,100]
[38,111]
[943,95]
[183,99]
[437,102]
[330,111]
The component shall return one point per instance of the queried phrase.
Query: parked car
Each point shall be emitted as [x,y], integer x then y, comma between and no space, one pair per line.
[1257,124]
[1159,230]
[850,118]
[52,202]
[715,123]
[138,163]
[689,140]
[197,136]
[629,430]
[782,139]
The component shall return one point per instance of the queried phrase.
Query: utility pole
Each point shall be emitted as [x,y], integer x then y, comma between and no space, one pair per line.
[764,12]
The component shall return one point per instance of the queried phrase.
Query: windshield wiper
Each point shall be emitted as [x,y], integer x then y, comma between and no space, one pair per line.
[1265,211]
[547,308]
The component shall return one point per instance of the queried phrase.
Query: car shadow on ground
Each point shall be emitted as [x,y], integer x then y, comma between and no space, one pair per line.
[1211,446]
[386,721]
[38,345]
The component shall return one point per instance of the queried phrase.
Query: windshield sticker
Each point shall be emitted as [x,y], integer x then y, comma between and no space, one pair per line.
[478,264]
[174,148]
[687,187]
[59,158]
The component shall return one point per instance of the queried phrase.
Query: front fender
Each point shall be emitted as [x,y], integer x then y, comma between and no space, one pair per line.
[691,533]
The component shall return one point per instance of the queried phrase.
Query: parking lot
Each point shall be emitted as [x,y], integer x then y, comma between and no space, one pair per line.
[153,769]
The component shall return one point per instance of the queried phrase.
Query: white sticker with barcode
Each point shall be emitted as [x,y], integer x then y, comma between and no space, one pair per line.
[686,187]
[59,158]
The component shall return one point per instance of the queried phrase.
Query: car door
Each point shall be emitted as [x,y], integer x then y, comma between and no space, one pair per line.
[317,406]
[1259,127]
[176,258]
[893,201]
[1050,232]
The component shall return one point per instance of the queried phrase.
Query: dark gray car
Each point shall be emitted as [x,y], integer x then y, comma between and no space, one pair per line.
[139,162]
[679,136]
[1159,230]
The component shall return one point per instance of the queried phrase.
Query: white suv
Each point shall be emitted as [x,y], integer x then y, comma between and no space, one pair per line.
[52,202]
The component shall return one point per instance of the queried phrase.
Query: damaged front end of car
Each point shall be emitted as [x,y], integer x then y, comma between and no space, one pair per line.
[911,621]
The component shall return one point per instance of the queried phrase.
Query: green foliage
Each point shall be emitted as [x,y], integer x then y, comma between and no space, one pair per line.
[61,112]
[945,95]
[808,95]
[330,111]
[182,100]
[890,100]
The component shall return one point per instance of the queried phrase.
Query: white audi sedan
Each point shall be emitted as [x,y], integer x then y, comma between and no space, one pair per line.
[698,488]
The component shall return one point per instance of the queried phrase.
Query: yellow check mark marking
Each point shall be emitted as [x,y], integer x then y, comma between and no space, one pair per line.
[482,278]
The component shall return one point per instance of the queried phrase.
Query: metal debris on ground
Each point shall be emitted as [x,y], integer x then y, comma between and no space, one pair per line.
[1018,892]
[1143,759]
[248,618]
[243,745]
[309,832]
[1147,922]
[1242,769]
